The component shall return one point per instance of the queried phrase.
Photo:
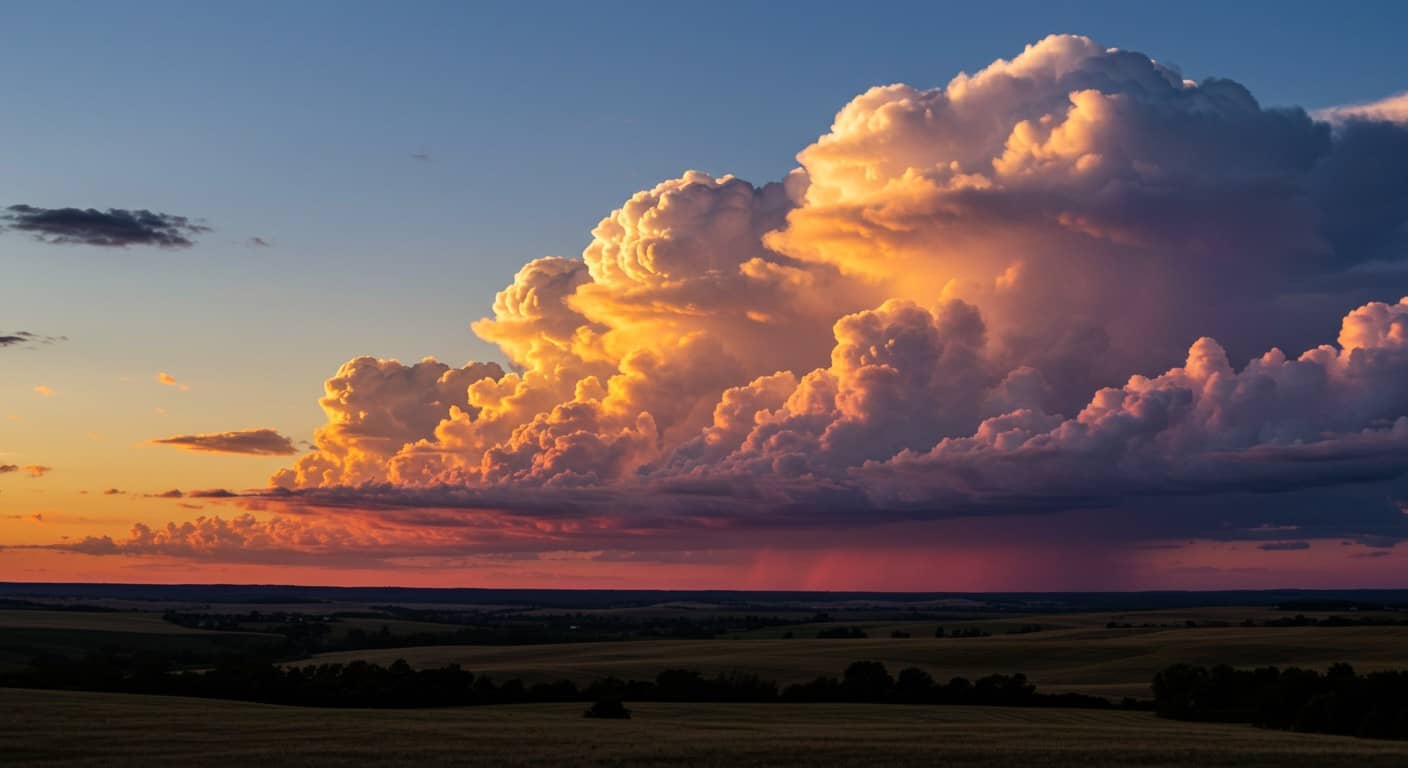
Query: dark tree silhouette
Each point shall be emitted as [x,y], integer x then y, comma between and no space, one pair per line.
[608,709]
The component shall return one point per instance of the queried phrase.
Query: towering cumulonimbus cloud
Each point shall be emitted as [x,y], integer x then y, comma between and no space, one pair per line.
[999,294]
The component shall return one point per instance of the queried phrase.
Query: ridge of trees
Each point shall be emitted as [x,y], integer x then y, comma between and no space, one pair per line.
[363,684]
[1339,701]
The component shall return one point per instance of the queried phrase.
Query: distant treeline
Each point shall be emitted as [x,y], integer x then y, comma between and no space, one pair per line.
[1007,602]
[1322,605]
[305,635]
[1299,620]
[30,605]
[1339,701]
[362,684]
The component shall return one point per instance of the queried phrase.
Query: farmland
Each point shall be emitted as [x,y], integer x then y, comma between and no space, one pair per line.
[86,729]
[1067,644]
[1107,662]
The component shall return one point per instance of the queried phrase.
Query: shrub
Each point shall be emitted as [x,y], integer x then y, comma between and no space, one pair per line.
[608,709]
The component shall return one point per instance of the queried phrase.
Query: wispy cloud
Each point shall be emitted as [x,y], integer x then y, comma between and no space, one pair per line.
[26,339]
[33,470]
[1391,109]
[1284,546]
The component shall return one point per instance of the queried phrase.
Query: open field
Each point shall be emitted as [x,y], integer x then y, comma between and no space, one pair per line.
[53,728]
[1073,652]
[1108,662]
[1103,652]
[93,621]
[23,633]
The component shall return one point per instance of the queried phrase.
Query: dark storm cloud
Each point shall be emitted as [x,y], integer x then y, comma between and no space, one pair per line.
[113,228]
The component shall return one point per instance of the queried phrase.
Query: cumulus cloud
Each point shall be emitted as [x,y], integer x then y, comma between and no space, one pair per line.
[375,408]
[44,390]
[113,228]
[1333,414]
[249,442]
[282,539]
[1070,281]
[170,381]
[242,538]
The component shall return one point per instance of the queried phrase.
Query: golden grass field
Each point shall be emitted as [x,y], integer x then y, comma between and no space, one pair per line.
[1107,662]
[52,728]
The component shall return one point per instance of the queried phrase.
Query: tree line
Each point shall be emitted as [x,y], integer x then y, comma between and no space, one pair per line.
[364,684]
[1340,701]
[306,634]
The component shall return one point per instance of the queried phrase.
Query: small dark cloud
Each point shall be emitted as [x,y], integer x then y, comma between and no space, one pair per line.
[424,157]
[94,546]
[23,339]
[211,493]
[1284,546]
[113,492]
[248,442]
[258,242]
[174,493]
[33,470]
[113,228]
[1372,555]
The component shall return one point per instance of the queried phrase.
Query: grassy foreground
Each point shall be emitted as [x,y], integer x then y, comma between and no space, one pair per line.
[88,729]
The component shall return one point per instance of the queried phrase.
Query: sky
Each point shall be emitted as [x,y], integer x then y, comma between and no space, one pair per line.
[911,296]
